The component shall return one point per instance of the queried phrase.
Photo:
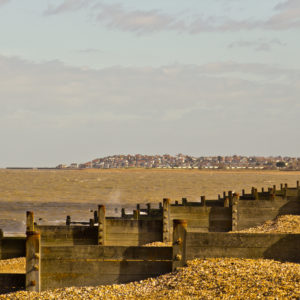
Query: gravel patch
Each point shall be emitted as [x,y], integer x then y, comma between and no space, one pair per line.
[282,224]
[218,278]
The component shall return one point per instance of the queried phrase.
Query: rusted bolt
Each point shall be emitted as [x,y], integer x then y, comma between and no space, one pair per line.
[235,210]
[178,257]
[179,241]
[36,255]
[32,283]
[35,267]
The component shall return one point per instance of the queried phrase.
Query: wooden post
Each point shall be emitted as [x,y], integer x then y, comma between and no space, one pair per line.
[176,202]
[136,214]
[138,207]
[160,206]
[274,188]
[148,209]
[184,201]
[235,204]
[243,192]
[68,221]
[166,220]
[226,202]
[92,222]
[29,221]
[285,185]
[254,193]
[219,197]
[123,213]
[285,191]
[1,237]
[202,203]
[281,186]
[101,225]
[230,196]
[95,216]
[271,196]
[179,243]
[297,184]
[224,195]
[262,190]
[33,258]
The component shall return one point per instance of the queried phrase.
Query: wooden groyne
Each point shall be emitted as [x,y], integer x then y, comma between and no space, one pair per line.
[106,250]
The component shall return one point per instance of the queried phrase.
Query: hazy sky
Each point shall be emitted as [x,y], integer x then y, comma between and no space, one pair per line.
[81,79]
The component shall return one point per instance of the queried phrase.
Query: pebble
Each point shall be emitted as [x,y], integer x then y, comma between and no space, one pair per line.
[214,278]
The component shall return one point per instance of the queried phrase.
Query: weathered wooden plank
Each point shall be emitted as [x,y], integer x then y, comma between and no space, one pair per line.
[106,252]
[239,240]
[62,280]
[151,236]
[83,273]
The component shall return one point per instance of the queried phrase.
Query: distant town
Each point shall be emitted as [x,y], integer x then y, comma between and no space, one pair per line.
[182,161]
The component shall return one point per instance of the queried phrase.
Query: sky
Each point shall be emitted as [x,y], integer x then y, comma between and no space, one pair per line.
[81,79]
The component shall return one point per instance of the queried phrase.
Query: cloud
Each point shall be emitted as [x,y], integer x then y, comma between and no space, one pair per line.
[49,108]
[71,94]
[67,6]
[116,16]
[258,45]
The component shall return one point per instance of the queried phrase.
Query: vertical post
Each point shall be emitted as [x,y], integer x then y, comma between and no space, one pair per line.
[271,196]
[1,237]
[29,221]
[235,204]
[285,190]
[297,184]
[68,221]
[95,216]
[101,225]
[274,188]
[33,259]
[202,203]
[281,186]
[136,214]
[123,213]
[243,192]
[148,209]
[138,207]
[262,190]
[219,197]
[226,202]
[230,196]
[184,201]
[92,222]
[160,205]
[254,193]
[224,195]
[179,243]
[176,202]
[166,220]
